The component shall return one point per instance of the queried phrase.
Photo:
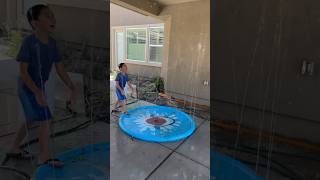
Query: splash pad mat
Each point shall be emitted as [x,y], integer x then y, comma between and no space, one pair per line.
[90,162]
[226,168]
[157,124]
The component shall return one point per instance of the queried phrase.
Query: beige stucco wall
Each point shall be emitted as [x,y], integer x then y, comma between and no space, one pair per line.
[142,70]
[11,13]
[189,50]
[280,39]
[3,11]
[120,16]
[75,24]
[79,24]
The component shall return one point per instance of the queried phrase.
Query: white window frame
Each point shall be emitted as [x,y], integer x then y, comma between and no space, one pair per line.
[147,47]
[114,49]
[126,44]
[149,40]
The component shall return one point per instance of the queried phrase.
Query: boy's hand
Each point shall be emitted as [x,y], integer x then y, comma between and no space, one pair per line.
[72,98]
[122,92]
[132,90]
[40,97]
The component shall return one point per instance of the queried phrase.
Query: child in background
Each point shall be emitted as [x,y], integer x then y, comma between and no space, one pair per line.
[121,80]
[37,55]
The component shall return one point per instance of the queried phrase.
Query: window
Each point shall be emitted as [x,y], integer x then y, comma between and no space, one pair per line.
[136,44]
[156,41]
[144,44]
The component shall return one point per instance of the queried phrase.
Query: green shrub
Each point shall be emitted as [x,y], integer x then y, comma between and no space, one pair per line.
[159,84]
[15,40]
[113,75]
[3,30]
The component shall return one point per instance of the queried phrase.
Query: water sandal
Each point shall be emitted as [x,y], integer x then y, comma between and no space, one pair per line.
[114,111]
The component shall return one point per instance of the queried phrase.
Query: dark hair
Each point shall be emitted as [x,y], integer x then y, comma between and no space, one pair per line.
[34,12]
[121,65]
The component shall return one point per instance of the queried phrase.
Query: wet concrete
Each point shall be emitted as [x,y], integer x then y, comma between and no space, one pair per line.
[285,162]
[71,132]
[7,173]
[95,133]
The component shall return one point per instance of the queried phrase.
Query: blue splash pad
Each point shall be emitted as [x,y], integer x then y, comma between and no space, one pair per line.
[90,162]
[157,124]
[226,168]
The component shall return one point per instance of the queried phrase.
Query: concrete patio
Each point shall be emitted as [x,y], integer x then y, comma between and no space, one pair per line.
[286,162]
[134,159]
[71,132]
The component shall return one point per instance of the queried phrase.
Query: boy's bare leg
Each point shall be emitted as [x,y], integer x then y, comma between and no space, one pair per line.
[116,104]
[44,137]
[124,106]
[21,134]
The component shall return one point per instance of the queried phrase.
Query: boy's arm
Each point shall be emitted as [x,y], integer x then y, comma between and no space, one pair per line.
[118,86]
[64,76]
[25,76]
[23,58]
[27,79]
[66,79]
[130,85]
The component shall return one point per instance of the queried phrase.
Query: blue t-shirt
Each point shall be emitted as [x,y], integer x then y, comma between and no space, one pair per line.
[40,58]
[123,79]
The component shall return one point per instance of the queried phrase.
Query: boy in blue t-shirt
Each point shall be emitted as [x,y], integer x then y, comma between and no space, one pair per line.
[36,57]
[121,80]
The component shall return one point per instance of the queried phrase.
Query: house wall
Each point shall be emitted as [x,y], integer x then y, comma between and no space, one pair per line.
[258,50]
[11,13]
[77,20]
[141,70]
[120,16]
[3,11]
[79,25]
[188,62]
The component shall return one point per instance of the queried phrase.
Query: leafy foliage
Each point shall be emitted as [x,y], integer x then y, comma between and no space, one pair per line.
[159,84]
[15,40]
